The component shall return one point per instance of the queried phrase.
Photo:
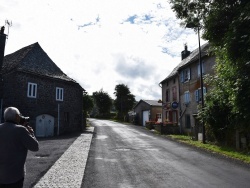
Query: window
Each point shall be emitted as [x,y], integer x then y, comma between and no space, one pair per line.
[197,94]
[174,93]
[187,121]
[167,95]
[185,75]
[32,90]
[59,94]
[186,97]
[202,66]
[158,116]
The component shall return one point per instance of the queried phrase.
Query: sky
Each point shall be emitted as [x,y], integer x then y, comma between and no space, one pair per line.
[102,43]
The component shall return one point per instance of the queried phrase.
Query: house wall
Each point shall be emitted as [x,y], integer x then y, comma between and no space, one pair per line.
[154,111]
[191,109]
[15,94]
[167,110]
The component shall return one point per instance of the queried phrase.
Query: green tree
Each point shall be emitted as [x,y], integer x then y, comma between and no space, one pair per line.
[124,100]
[88,105]
[225,24]
[103,102]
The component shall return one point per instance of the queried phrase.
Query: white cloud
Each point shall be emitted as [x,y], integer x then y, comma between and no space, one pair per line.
[102,43]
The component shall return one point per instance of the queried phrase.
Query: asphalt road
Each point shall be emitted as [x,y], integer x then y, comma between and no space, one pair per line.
[128,156]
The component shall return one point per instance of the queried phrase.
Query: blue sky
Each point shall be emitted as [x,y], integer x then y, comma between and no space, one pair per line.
[102,43]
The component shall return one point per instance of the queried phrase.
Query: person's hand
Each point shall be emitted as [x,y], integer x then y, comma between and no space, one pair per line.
[29,128]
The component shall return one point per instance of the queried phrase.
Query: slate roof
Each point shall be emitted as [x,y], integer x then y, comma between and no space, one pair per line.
[33,59]
[194,56]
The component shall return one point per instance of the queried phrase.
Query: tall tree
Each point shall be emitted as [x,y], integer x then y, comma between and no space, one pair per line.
[124,101]
[103,102]
[88,105]
[225,24]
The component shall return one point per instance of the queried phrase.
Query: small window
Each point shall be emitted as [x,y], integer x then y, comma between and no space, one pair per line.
[158,116]
[59,94]
[32,90]
[198,94]
[186,97]
[185,75]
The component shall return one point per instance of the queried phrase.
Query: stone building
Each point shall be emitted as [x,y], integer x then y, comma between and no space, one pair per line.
[186,78]
[34,84]
[148,110]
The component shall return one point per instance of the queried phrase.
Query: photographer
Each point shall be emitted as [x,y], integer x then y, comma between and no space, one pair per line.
[15,141]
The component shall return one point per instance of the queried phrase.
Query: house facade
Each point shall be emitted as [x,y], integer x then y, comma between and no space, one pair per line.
[189,92]
[148,110]
[34,84]
[170,99]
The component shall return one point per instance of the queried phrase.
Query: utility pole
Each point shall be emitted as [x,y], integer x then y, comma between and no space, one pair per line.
[2,48]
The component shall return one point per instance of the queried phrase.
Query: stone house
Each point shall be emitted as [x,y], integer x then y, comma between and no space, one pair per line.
[170,100]
[34,84]
[148,110]
[186,76]
[190,90]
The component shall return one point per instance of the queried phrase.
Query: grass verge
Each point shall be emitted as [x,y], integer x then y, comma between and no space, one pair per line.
[243,156]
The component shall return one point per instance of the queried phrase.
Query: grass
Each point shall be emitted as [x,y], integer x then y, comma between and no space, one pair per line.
[223,150]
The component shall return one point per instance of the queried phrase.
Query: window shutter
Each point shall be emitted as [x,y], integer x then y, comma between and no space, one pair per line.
[189,73]
[182,76]
[196,93]
[204,90]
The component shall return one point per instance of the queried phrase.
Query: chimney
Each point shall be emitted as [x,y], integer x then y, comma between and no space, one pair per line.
[2,46]
[185,53]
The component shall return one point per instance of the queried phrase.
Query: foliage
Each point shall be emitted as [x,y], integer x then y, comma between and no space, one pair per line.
[88,103]
[225,24]
[124,101]
[103,102]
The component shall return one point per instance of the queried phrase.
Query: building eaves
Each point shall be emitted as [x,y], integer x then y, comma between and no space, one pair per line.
[194,56]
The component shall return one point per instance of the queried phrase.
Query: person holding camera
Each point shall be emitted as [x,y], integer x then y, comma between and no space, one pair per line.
[15,141]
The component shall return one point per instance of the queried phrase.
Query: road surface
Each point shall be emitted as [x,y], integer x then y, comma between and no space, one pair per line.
[129,156]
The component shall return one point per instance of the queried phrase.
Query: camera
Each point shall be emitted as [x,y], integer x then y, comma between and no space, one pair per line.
[24,120]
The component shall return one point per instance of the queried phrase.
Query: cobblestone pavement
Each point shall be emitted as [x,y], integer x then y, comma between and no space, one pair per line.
[68,170]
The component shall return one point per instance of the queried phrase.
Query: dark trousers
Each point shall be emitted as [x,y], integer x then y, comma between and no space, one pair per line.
[18,184]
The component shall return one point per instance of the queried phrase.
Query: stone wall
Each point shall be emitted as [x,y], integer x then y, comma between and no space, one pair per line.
[15,94]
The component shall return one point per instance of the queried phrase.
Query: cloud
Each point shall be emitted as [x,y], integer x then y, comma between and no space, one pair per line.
[97,20]
[132,67]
